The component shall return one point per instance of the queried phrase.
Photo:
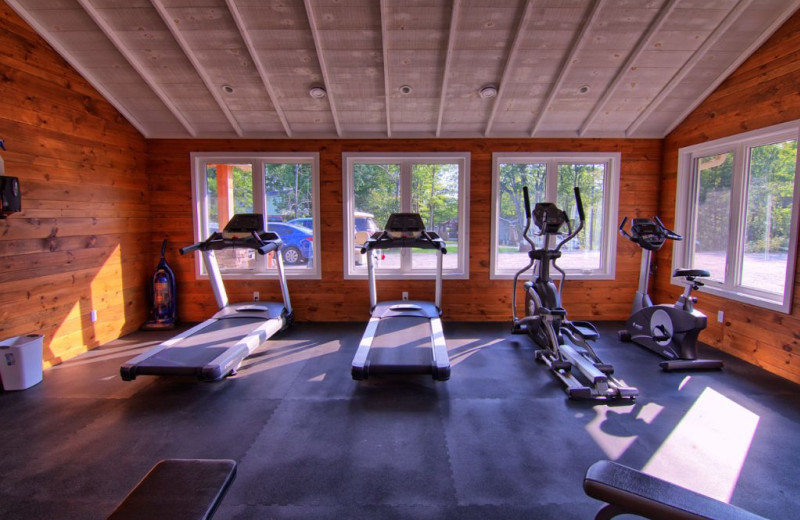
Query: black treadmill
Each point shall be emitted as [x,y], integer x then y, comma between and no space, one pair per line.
[403,337]
[215,348]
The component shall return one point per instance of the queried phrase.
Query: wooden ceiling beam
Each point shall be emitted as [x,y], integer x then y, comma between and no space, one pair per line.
[687,67]
[641,45]
[262,71]
[385,45]
[79,66]
[769,31]
[510,58]
[451,43]
[312,23]
[133,62]
[566,65]
[213,89]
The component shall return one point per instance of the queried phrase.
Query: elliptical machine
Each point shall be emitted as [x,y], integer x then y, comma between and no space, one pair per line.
[564,345]
[668,330]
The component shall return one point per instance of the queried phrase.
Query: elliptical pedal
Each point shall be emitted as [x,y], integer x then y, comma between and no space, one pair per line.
[566,366]
[605,368]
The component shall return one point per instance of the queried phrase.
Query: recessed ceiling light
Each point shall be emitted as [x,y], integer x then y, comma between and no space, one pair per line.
[584,89]
[317,92]
[487,91]
[405,89]
[227,89]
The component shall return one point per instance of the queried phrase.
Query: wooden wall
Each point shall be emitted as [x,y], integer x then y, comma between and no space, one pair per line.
[81,241]
[762,92]
[336,299]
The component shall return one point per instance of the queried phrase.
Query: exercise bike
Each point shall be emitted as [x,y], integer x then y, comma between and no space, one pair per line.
[563,345]
[670,331]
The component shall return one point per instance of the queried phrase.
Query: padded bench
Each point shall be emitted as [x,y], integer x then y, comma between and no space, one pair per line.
[178,489]
[627,491]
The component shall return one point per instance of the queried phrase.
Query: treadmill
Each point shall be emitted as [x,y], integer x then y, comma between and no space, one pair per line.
[215,348]
[403,337]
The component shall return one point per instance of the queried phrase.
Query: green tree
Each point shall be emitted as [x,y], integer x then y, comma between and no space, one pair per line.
[770,188]
[513,177]
[714,194]
[289,189]
[376,189]
[434,192]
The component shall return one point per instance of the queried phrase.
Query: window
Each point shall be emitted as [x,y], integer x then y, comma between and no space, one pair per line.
[434,185]
[284,188]
[736,204]
[551,177]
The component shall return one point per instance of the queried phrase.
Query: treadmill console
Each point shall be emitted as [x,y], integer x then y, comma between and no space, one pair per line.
[243,224]
[404,230]
[405,225]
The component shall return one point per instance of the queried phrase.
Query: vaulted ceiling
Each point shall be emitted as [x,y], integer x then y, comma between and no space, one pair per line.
[405,68]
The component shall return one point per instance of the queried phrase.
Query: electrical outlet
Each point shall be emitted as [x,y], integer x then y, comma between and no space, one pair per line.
[405,296]
[93,315]
[720,316]
[256,296]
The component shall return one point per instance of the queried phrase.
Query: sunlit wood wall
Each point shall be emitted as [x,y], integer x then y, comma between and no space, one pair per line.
[762,92]
[336,299]
[81,242]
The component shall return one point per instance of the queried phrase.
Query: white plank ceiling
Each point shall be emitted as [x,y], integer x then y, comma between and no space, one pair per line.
[405,68]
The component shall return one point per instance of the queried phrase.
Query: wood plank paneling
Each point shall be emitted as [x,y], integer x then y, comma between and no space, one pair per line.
[81,242]
[762,92]
[336,299]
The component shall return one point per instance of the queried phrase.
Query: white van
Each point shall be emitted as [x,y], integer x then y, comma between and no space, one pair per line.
[365,227]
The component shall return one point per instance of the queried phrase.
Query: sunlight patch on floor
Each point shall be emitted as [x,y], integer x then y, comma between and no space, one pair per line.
[611,427]
[706,450]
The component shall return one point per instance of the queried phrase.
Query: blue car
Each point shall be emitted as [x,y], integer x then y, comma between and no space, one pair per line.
[297,242]
[306,222]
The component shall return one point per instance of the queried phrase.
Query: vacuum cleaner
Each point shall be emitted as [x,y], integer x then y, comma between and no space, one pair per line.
[163,313]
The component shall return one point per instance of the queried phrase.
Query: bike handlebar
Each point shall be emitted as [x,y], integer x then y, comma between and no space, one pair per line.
[669,233]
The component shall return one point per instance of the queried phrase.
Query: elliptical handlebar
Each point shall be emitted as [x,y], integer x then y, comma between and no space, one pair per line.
[527,200]
[579,202]
[581,220]
[528,219]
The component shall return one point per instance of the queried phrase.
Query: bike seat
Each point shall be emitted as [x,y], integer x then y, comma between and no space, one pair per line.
[686,273]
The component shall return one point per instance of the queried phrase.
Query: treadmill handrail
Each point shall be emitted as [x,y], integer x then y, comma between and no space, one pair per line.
[383,240]
[264,242]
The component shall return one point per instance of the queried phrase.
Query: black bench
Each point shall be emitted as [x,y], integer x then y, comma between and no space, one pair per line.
[178,489]
[627,491]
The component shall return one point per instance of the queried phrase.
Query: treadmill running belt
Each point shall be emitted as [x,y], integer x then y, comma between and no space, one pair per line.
[402,341]
[205,345]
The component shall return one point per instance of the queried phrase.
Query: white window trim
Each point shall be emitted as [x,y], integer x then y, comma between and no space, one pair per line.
[258,160]
[608,261]
[350,158]
[686,195]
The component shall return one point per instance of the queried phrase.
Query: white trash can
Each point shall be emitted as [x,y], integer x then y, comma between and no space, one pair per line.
[21,361]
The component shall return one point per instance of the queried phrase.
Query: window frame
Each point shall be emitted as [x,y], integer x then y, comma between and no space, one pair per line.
[349,159]
[258,160]
[685,214]
[613,161]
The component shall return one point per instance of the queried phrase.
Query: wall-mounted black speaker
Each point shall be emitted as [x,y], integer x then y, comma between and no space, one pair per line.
[10,198]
